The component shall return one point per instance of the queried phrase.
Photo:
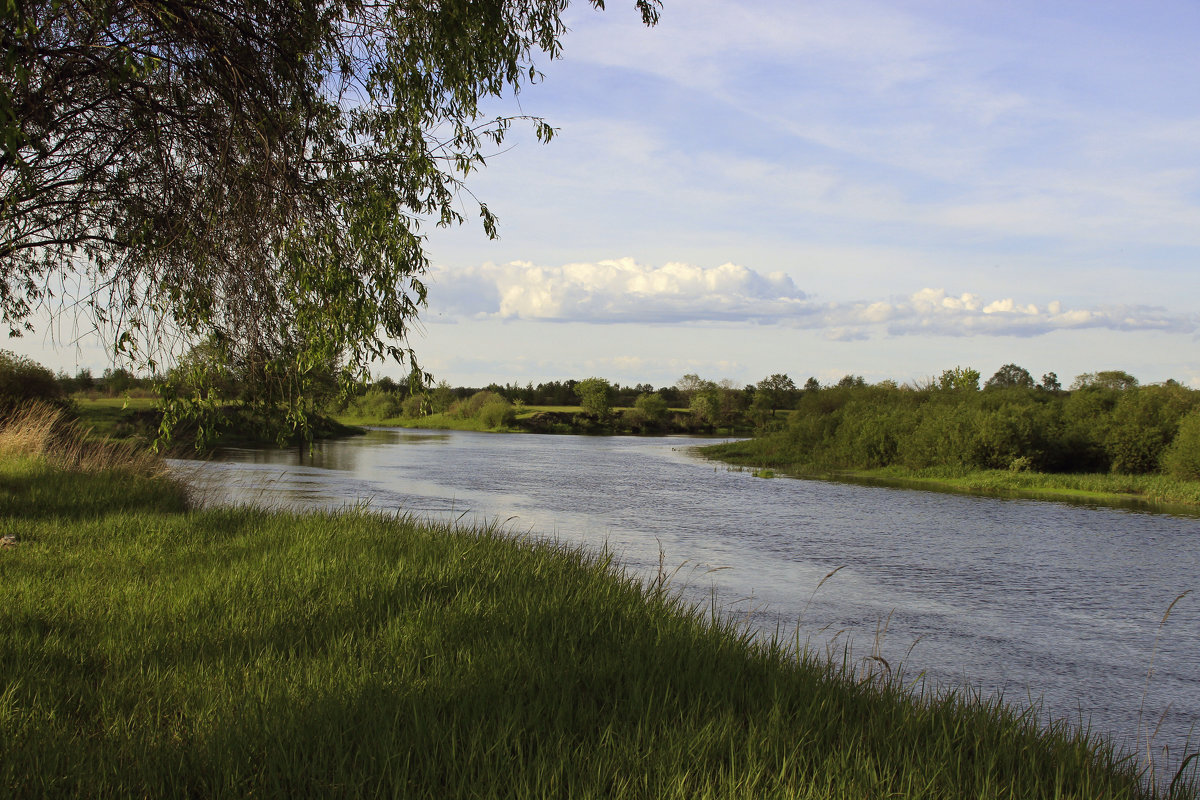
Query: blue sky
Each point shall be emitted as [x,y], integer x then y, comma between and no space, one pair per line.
[821,188]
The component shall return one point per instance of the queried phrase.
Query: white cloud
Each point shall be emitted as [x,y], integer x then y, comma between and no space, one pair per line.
[619,290]
[624,291]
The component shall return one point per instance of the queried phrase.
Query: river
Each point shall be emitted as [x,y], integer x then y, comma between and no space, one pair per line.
[1040,601]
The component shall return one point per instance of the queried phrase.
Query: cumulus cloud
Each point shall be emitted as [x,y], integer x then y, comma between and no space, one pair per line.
[624,291]
[619,290]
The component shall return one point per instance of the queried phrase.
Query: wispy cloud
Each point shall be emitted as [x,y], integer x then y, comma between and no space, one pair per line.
[624,291]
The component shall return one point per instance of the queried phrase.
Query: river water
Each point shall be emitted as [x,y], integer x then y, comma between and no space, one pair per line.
[1054,603]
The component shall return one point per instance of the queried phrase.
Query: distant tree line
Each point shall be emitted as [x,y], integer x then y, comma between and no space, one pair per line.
[112,382]
[23,380]
[691,404]
[1105,422]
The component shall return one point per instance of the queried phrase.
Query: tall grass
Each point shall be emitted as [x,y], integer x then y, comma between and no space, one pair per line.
[153,652]
[52,468]
[39,430]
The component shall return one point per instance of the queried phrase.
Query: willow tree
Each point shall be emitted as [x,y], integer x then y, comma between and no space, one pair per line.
[252,175]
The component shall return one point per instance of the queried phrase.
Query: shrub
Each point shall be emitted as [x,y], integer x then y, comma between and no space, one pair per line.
[1012,432]
[497,413]
[652,407]
[23,381]
[412,406]
[441,398]
[947,434]
[595,396]
[1143,424]
[471,406]
[1182,458]
[376,404]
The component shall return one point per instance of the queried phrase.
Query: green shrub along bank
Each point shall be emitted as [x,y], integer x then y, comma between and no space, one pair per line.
[154,651]
[1152,492]
[1151,431]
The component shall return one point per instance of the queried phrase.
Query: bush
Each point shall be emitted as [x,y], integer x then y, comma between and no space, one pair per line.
[1143,423]
[498,413]
[412,407]
[1182,458]
[652,407]
[595,396]
[1014,432]
[23,381]
[376,404]
[473,405]
[946,435]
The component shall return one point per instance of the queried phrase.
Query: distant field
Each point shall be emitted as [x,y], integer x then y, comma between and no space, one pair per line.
[104,414]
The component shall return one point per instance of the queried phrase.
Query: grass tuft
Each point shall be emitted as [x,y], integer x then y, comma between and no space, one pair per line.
[43,431]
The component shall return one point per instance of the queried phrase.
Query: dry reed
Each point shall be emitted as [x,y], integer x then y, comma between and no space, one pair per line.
[39,430]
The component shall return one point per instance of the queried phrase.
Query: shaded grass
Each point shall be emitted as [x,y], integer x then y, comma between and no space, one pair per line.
[151,651]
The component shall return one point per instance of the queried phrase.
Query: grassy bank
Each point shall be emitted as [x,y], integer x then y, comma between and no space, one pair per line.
[138,418]
[447,422]
[547,419]
[149,649]
[1153,492]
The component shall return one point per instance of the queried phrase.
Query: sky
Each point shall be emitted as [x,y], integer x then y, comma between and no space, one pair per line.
[884,189]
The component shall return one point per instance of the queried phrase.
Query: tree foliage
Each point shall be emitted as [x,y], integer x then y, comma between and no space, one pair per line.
[777,391]
[1182,458]
[1016,425]
[1010,376]
[257,175]
[652,407]
[23,381]
[1114,379]
[959,378]
[595,396]
[689,385]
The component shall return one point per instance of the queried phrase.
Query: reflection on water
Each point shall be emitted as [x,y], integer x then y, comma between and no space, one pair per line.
[1032,599]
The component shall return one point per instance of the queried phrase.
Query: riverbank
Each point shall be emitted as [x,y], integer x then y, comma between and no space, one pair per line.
[138,418]
[151,648]
[1148,492]
[563,420]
